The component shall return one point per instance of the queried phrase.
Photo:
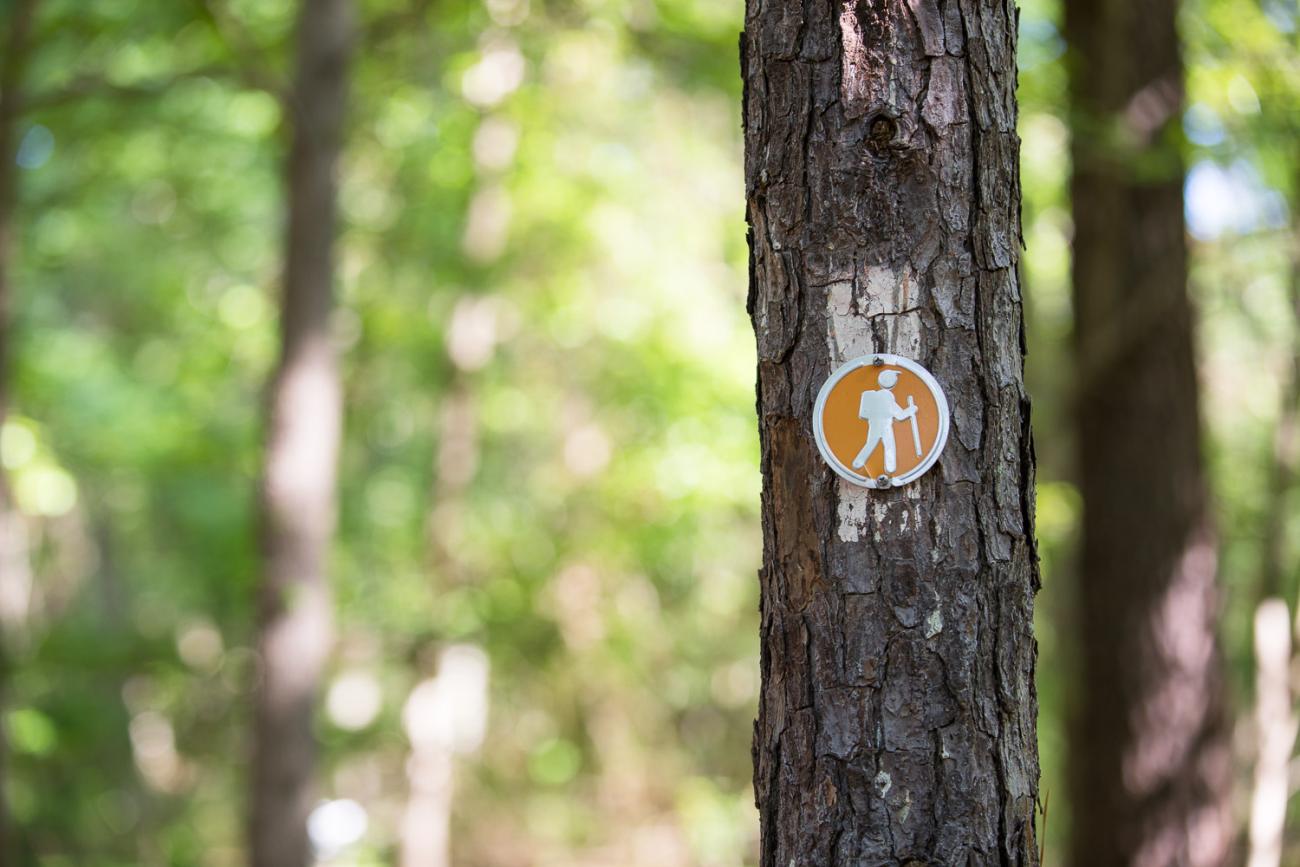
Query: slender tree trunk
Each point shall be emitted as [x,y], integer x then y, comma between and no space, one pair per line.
[1275,548]
[897,717]
[444,716]
[425,839]
[13,541]
[1149,770]
[305,418]
[1275,728]
[426,822]
[1275,716]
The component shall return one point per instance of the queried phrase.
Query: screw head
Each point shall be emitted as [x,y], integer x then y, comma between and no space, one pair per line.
[882,481]
[878,361]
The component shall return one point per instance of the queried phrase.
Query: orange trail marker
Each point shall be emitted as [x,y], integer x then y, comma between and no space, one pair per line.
[856,413]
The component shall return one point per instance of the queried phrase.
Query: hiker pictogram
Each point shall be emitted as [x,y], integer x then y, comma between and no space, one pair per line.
[879,410]
[881,421]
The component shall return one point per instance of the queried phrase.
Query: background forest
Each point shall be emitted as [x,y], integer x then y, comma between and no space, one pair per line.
[549,488]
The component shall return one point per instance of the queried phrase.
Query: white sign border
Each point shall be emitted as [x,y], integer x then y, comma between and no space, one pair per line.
[880,359]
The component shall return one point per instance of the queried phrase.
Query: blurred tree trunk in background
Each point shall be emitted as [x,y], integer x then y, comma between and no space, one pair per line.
[897,717]
[430,766]
[305,418]
[14,568]
[1275,714]
[1275,552]
[1149,769]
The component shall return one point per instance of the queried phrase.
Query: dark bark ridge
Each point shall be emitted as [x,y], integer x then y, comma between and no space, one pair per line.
[897,718]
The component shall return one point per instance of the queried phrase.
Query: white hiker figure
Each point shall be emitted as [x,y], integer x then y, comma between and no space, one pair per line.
[879,409]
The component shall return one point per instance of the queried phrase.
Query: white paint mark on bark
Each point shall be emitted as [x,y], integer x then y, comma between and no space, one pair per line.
[884,292]
[887,291]
[879,512]
[850,333]
[881,291]
[883,783]
[903,334]
[852,512]
[906,809]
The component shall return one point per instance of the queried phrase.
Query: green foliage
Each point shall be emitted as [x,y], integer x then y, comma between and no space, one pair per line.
[550,444]
[550,447]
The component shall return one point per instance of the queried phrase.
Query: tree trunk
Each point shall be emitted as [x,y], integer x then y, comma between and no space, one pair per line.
[425,837]
[897,717]
[297,503]
[1275,733]
[1284,460]
[14,566]
[1275,716]
[1149,770]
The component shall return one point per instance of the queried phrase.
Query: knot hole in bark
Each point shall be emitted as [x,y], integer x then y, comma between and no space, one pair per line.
[880,133]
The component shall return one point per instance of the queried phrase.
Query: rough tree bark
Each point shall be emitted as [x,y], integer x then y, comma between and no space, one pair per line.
[897,717]
[19,16]
[1149,770]
[297,500]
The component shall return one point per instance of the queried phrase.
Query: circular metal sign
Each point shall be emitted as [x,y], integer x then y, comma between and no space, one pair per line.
[881,421]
